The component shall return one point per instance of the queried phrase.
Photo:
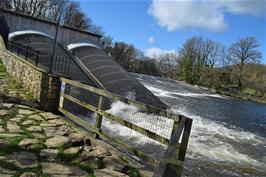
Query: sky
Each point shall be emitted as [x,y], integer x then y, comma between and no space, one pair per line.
[159,26]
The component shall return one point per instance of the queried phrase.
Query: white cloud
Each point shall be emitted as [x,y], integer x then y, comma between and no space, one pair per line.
[155,52]
[151,40]
[204,14]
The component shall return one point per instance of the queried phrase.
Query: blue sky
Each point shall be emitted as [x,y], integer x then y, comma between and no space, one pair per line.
[158,26]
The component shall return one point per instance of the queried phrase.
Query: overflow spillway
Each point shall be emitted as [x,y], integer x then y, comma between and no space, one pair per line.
[88,64]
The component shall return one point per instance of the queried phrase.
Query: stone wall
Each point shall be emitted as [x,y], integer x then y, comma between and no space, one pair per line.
[42,86]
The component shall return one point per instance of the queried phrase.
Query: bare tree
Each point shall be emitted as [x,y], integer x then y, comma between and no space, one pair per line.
[107,42]
[212,52]
[124,54]
[75,18]
[168,64]
[243,52]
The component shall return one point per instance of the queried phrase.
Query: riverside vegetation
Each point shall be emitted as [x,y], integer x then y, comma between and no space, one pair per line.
[38,143]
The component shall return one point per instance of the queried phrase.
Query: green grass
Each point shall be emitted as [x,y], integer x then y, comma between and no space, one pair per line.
[100,163]
[133,172]
[2,152]
[8,165]
[249,91]
[13,84]
[15,141]
[12,112]
[91,175]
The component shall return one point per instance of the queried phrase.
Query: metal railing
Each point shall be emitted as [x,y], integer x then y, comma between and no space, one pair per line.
[61,65]
[158,137]
[4,29]
[28,53]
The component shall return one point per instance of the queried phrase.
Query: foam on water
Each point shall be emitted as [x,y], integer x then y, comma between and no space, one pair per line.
[157,124]
[209,140]
[163,93]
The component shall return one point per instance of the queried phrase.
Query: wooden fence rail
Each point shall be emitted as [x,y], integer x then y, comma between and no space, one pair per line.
[171,163]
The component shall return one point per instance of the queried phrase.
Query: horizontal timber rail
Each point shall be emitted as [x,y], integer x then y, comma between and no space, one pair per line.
[156,136]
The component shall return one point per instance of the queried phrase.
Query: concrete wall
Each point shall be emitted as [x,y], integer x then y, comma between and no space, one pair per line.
[43,86]
[17,22]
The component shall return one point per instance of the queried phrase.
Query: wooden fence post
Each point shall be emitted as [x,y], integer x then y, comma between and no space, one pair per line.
[185,137]
[98,122]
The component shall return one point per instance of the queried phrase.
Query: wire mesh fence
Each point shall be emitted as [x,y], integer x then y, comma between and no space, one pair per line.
[143,130]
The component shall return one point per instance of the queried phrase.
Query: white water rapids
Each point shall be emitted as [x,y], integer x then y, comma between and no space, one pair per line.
[216,148]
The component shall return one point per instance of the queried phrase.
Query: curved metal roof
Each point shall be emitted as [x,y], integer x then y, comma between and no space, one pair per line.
[89,64]
[44,44]
[112,76]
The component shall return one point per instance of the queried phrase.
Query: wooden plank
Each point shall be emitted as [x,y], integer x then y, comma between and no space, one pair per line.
[79,121]
[119,120]
[133,151]
[144,107]
[111,140]
[166,167]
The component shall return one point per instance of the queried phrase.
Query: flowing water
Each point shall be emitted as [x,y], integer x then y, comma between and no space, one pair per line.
[228,136]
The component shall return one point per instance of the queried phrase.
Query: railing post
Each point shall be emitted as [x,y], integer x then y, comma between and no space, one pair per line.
[175,126]
[98,122]
[185,137]
[170,165]
[27,53]
[18,51]
[37,58]
[11,47]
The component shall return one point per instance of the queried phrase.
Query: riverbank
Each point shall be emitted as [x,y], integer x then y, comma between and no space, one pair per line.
[240,95]
[38,143]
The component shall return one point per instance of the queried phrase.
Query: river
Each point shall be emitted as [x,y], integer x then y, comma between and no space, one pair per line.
[228,136]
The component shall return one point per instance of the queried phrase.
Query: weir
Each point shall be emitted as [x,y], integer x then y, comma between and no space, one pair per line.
[91,85]
[84,63]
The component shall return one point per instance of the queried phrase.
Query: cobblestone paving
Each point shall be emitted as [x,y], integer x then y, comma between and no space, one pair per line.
[37,143]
